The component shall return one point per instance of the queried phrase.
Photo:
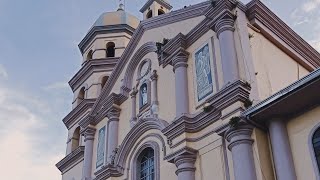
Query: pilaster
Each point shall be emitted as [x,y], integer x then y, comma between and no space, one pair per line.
[133,95]
[281,151]
[240,145]
[154,94]
[88,133]
[225,32]
[179,62]
[113,132]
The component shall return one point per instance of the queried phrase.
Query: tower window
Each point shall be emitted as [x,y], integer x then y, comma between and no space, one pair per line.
[146,164]
[160,12]
[90,55]
[75,141]
[110,49]
[81,95]
[104,81]
[149,14]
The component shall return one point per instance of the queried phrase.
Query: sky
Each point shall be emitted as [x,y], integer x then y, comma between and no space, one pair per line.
[39,55]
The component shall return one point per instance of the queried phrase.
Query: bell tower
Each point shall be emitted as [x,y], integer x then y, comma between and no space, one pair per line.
[154,8]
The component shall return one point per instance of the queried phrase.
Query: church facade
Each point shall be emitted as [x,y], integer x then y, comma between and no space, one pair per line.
[217,90]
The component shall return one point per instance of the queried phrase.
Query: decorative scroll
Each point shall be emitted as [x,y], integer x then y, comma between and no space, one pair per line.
[101,147]
[203,73]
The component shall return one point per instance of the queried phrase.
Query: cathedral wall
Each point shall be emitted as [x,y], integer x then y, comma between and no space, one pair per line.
[270,63]
[75,173]
[299,131]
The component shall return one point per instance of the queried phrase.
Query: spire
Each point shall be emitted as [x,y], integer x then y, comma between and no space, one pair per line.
[121,5]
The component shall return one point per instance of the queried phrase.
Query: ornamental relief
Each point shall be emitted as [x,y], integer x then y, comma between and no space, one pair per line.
[204,77]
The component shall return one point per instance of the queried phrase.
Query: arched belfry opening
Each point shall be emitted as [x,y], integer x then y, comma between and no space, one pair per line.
[75,140]
[149,14]
[81,95]
[111,49]
[160,12]
[89,55]
[154,8]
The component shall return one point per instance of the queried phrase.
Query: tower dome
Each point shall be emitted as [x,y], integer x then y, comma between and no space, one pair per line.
[116,18]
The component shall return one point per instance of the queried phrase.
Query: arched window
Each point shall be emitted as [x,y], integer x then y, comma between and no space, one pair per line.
[111,49]
[104,81]
[90,55]
[160,12]
[146,164]
[75,140]
[149,14]
[316,146]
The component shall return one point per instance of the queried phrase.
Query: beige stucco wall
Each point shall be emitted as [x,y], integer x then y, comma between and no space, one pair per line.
[274,69]
[299,130]
[75,173]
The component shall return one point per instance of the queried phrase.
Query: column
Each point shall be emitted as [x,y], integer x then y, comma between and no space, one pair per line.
[113,128]
[224,29]
[181,83]
[133,119]
[185,165]
[281,151]
[154,94]
[240,145]
[89,133]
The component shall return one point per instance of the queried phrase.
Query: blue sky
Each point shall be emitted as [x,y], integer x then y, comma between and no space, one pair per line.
[38,56]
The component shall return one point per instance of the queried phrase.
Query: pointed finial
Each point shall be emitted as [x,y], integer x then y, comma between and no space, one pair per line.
[121,5]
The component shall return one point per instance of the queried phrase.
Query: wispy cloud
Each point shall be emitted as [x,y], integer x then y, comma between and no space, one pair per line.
[57,86]
[3,72]
[20,155]
[310,5]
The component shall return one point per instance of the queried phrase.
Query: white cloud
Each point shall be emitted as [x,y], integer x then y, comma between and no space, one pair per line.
[3,72]
[310,5]
[21,156]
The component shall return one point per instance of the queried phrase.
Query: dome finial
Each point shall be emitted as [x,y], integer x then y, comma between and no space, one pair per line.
[121,5]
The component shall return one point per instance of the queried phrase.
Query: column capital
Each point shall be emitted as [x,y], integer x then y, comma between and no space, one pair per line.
[224,24]
[113,113]
[154,75]
[88,132]
[134,92]
[185,162]
[180,59]
[239,135]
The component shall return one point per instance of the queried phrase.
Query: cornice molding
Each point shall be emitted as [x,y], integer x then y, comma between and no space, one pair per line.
[268,23]
[71,160]
[78,111]
[96,30]
[161,2]
[235,92]
[89,67]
